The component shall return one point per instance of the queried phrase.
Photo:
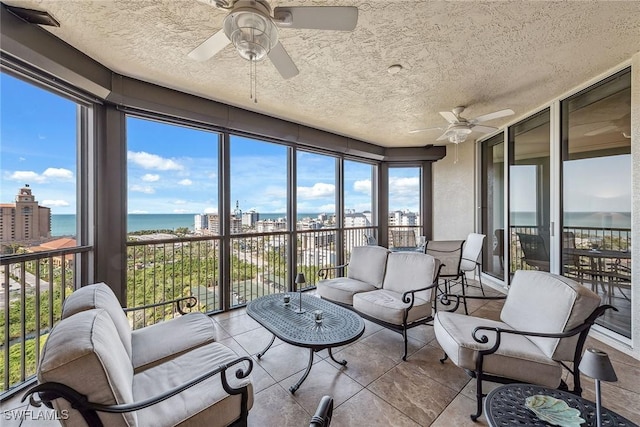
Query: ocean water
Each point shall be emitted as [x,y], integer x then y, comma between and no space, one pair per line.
[579,219]
[65,225]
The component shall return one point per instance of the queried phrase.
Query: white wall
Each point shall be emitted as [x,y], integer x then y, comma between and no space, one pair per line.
[453,190]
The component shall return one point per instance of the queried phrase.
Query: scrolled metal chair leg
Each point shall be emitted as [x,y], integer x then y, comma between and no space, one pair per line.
[446,356]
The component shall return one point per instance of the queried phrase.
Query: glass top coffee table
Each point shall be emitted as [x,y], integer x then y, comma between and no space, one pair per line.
[505,406]
[338,326]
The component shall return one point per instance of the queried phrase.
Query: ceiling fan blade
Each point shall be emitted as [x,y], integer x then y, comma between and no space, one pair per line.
[340,18]
[483,129]
[449,116]
[210,47]
[443,137]
[491,116]
[283,62]
[601,130]
[425,129]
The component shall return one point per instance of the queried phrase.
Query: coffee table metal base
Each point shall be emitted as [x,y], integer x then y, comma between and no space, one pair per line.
[339,326]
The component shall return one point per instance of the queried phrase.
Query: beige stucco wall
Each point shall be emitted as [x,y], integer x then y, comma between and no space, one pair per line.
[453,193]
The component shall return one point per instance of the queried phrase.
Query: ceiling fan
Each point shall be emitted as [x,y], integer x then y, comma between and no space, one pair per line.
[253,30]
[459,127]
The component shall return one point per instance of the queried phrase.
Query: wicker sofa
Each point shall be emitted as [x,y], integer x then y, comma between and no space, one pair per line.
[393,289]
[96,371]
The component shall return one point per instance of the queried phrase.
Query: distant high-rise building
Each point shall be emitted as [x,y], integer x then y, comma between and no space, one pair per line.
[250,218]
[200,223]
[24,221]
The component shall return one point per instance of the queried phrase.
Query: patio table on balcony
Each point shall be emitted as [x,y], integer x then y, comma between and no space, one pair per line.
[602,275]
[338,327]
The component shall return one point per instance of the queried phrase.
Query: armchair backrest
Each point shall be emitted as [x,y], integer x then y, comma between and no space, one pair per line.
[543,302]
[449,253]
[407,271]
[99,295]
[84,353]
[368,264]
[471,251]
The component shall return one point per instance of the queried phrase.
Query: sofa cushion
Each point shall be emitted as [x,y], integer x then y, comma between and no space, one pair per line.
[99,295]
[544,302]
[367,264]
[386,305]
[85,353]
[342,289]
[203,404]
[153,344]
[517,357]
[410,270]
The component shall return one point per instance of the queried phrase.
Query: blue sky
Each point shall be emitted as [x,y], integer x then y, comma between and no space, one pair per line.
[171,169]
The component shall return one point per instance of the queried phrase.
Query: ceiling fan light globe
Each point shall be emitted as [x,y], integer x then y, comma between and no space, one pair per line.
[252,34]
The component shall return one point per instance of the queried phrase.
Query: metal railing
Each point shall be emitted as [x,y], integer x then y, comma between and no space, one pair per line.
[31,294]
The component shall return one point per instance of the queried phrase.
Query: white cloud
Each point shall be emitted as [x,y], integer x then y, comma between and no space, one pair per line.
[50,174]
[185,182]
[152,161]
[58,173]
[363,186]
[142,189]
[328,208]
[25,176]
[149,177]
[54,203]
[180,202]
[180,211]
[138,212]
[211,210]
[318,190]
[22,159]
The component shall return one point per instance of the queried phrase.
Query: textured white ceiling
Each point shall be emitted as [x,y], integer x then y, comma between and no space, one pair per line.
[486,55]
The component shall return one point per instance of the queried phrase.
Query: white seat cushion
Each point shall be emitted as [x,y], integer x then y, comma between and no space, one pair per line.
[342,289]
[544,302]
[85,353]
[517,357]
[153,344]
[203,404]
[99,295]
[387,306]
[407,271]
[367,264]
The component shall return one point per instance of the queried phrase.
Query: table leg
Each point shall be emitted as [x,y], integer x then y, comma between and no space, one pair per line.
[259,355]
[295,387]
[343,363]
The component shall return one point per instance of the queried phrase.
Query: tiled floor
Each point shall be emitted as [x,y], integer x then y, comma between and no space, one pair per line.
[377,388]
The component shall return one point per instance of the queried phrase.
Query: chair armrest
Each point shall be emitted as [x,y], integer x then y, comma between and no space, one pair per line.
[189,302]
[323,272]
[51,390]
[324,413]
[446,301]
[483,339]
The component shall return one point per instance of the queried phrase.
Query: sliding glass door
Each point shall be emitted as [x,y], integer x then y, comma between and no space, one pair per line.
[492,200]
[596,194]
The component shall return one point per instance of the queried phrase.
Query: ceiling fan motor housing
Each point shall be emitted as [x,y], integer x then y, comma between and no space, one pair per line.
[251,30]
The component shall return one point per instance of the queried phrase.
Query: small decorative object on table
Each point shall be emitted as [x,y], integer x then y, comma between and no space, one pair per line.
[554,411]
[596,364]
[300,280]
[286,299]
[318,316]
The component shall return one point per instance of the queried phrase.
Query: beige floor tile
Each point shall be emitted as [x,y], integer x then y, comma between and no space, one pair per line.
[457,414]
[276,407]
[256,340]
[367,409]
[409,390]
[285,360]
[391,344]
[324,379]
[617,399]
[238,324]
[422,333]
[364,363]
[427,359]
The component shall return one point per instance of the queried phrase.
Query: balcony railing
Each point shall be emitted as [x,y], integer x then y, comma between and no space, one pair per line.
[33,288]
[34,285]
